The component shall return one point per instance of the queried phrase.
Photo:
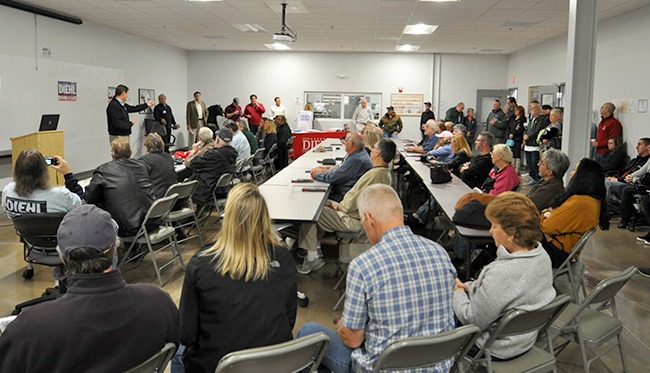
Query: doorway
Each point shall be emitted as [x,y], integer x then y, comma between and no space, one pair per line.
[484,100]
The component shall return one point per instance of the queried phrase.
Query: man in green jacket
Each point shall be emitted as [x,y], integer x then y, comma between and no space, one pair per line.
[391,123]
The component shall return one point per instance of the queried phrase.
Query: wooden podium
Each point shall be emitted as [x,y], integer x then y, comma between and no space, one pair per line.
[49,143]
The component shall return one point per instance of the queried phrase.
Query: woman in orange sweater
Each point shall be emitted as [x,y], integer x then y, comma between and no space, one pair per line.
[581,207]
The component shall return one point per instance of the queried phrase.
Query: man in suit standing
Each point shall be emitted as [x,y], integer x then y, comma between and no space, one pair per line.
[197,115]
[163,114]
[117,114]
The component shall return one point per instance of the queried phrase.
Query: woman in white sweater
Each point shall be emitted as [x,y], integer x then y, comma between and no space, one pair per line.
[520,277]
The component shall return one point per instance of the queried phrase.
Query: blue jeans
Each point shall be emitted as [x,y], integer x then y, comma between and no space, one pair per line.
[612,186]
[337,357]
[393,135]
[426,210]
[532,159]
[177,361]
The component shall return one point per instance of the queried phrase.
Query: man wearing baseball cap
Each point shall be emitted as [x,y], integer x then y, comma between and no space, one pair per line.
[100,324]
[391,123]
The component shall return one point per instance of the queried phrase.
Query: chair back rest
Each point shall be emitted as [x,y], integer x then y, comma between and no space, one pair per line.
[290,142]
[157,362]
[152,125]
[160,208]
[291,356]
[606,289]
[184,189]
[273,151]
[246,163]
[259,153]
[520,322]
[39,230]
[416,352]
[224,180]
[577,249]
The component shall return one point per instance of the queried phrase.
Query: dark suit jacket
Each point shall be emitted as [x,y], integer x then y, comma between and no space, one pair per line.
[118,117]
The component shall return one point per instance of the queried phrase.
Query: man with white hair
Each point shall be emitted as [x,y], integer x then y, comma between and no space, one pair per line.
[101,323]
[401,287]
[362,115]
[205,143]
[429,142]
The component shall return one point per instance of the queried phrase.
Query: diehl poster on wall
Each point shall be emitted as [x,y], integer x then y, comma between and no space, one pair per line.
[67,91]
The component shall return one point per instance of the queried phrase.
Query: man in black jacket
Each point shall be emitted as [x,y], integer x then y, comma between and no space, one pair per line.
[478,168]
[123,188]
[208,167]
[163,114]
[117,114]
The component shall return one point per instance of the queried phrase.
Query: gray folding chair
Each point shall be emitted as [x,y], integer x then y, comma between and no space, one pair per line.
[593,327]
[214,204]
[157,362]
[269,160]
[258,165]
[420,352]
[291,356]
[186,216]
[244,173]
[346,254]
[157,213]
[574,269]
[516,322]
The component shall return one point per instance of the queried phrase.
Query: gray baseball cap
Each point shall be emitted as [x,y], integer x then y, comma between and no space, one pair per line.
[86,226]
[225,134]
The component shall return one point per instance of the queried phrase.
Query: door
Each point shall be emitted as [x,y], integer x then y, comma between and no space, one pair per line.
[484,100]
[544,94]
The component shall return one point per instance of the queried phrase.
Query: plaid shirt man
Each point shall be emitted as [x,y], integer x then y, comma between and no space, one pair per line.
[402,287]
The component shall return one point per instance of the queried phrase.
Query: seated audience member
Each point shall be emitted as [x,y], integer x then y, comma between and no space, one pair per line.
[520,277]
[477,170]
[209,167]
[614,182]
[270,135]
[343,178]
[101,324]
[459,130]
[123,188]
[344,216]
[371,138]
[31,193]
[551,135]
[552,167]
[626,193]
[580,208]
[241,292]
[205,143]
[250,137]
[443,152]
[161,165]
[284,134]
[645,209]
[239,143]
[462,153]
[503,177]
[429,141]
[401,287]
[614,159]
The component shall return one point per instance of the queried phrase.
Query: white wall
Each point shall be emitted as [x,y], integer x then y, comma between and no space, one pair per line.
[621,68]
[145,64]
[221,76]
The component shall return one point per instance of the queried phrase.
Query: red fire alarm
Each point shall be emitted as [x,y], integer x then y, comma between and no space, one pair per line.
[400,89]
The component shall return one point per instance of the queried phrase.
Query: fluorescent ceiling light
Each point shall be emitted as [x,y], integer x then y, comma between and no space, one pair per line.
[278,46]
[440,1]
[248,27]
[406,48]
[419,29]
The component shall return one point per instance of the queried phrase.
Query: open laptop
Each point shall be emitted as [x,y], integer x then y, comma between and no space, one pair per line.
[49,122]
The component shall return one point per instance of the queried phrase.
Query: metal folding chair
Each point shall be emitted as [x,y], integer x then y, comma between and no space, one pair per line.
[186,215]
[258,165]
[157,213]
[205,210]
[158,362]
[291,356]
[573,267]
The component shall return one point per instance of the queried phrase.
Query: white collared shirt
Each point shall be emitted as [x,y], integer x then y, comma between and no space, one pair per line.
[199,109]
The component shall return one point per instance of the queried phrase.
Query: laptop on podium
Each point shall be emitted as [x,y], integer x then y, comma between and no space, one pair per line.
[49,122]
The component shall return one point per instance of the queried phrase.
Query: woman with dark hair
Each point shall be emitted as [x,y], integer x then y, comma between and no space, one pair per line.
[614,159]
[517,134]
[160,164]
[580,208]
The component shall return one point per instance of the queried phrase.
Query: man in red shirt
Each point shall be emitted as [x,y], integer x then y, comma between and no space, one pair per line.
[253,112]
[607,128]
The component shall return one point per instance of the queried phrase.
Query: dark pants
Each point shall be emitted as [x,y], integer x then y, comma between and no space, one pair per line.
[283,156]
[253,128]
[557,256]
[532,159]
[626,194]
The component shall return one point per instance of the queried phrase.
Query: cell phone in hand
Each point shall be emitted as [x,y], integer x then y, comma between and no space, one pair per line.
[51,161]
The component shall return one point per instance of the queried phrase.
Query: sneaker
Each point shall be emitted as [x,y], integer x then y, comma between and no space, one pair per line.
[644,271]
[307,266]
[643,238]
[623,224]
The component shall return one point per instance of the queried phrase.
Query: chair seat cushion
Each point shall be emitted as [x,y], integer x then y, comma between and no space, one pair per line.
[534,359]
[154,236]
[180,214]
[596,326]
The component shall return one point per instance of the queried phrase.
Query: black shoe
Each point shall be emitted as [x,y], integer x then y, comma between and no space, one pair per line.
[644,271]
[623,224]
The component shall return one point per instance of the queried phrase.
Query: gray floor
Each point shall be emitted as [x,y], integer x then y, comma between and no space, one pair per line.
[605,253]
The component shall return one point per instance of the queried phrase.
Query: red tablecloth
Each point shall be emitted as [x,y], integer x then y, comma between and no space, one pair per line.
[306,140]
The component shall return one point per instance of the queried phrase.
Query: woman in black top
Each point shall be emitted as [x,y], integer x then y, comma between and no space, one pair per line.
[614,160]
[241,292]
[517,134]
[462,152]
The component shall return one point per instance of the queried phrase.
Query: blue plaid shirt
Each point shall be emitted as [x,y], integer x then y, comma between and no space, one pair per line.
[402,287]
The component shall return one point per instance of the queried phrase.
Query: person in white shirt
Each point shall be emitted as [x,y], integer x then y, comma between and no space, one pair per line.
[278,108]
[362,115]
[305,119]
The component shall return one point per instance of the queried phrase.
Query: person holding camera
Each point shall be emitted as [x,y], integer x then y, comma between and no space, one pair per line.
[31,192]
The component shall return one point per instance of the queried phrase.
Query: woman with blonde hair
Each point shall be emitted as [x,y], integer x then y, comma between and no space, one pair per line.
[270,135]
[503,177]
[241,292]
[371,139]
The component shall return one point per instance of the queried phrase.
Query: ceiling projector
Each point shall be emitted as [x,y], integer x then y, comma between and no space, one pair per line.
[282,37]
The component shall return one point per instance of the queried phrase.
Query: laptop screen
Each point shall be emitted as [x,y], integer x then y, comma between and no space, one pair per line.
[49,122]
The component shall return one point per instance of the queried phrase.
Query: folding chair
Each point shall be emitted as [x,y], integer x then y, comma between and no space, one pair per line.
[244,172]
[520,322]
[269,160]
[152,125]
[156,363]
[346,254]
[224,180]
[258,165]
[186,216]
[291,356]
[592,327]
[158,212]
[420,352]
[573,267]
[290,152]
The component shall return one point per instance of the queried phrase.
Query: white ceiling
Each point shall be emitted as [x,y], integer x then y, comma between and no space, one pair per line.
[469,26]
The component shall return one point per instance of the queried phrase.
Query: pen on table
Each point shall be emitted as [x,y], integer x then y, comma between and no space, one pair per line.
[314,189]
[302,181]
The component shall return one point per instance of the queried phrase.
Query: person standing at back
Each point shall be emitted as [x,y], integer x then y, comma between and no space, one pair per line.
[278,108]
[163,114]
[117,114]
[197,116]
[253,112]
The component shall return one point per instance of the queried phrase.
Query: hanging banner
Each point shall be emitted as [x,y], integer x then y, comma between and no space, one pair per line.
[67,91]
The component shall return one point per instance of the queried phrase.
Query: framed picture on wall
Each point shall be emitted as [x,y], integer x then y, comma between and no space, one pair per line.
[111,93]
[145,95]
[407,104]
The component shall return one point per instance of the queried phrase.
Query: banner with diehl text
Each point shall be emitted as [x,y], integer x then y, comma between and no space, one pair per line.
[67,91]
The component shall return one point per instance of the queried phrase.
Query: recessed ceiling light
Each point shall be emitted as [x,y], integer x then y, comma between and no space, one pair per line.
[440,1]
[278,46]
[406,48]
[248,27]
[419,29]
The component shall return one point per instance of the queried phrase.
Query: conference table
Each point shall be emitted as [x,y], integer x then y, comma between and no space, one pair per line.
[291,195]
[446,195]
